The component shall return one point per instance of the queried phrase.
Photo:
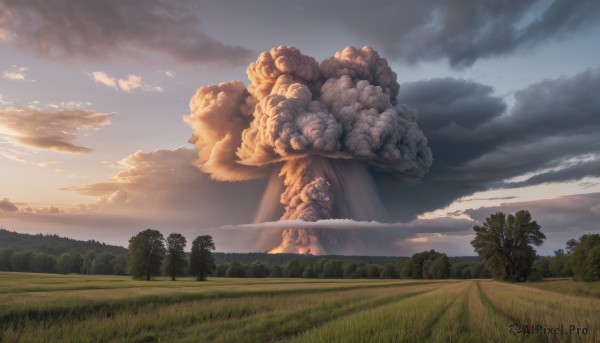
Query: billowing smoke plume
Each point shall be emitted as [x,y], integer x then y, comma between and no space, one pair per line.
[317,130]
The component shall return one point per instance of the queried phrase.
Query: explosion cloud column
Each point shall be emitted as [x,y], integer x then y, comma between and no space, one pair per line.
[325,127]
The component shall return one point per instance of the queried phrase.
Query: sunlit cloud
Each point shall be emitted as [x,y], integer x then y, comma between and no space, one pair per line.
[50,129]
[129,84]
[48,163]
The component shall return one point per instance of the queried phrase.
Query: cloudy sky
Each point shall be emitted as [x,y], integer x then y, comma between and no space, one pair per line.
[92,96]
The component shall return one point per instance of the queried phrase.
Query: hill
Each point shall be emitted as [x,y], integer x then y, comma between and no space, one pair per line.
[54,244]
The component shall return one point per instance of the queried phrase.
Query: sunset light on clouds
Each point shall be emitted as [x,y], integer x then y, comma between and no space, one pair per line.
[498,110]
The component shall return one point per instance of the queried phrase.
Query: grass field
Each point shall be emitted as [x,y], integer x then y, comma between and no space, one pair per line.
[55,308]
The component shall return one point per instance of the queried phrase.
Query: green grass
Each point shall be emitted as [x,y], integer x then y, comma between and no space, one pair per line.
[590,289]
[73,308]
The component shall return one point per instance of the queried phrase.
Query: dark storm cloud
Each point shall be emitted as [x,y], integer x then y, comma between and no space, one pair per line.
[464,31]
[100,30]
[459,31]
[477,144]
[571,173]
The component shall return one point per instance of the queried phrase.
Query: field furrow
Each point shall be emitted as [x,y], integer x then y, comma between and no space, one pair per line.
[547,315]
[405,320]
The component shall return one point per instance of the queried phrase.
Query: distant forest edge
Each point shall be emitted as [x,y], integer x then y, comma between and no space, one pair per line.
[53,254]
[42,253]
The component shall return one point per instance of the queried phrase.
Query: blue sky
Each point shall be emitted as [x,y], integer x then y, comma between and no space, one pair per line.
[92,96]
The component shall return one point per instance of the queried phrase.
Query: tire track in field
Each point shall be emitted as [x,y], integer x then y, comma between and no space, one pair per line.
[405,320]
[489,305]
[441,323]
[536,307]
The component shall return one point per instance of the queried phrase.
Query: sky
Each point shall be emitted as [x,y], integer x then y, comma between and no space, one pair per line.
[93,94]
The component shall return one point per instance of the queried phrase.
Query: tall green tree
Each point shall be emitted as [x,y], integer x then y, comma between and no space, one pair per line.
[175,261]
[145,254]
[419,265]
[202,261]
[585,257]
[505,243]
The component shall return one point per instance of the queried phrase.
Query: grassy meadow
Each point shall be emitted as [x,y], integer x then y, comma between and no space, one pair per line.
[76,308]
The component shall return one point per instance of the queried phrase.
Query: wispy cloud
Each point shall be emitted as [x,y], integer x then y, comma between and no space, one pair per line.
[49,129]
[129,84]
[3,101]
[48,163]
[16,74]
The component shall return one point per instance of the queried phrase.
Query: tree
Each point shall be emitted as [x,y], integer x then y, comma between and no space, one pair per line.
[333,270]
[258,270]
[120,265]
[505,244]
[235,269]
[373,271]
[64,265]
[20,261]
[585,258]
[103,264]
[145,254]
[308,272]
[349,270]
[5,255]
[202,261]
[43,263]
[221,270]
[293,269]
[419,265]
[175,261]
[542,266]
[77,263]
[86,266]
[276,271]
[440,267]
[388,272]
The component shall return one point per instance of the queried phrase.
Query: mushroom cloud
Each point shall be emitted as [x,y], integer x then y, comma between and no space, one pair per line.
[317,131]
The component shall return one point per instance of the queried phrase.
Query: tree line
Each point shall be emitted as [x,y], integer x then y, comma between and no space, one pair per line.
[504,243]
[424,265]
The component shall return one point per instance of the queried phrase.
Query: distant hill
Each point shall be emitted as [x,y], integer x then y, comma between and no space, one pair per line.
[54,244]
